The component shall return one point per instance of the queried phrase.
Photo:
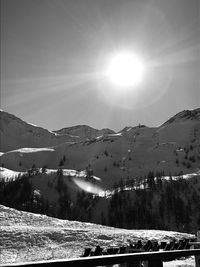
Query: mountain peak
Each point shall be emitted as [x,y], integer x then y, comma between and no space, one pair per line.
[193,114]
[16,133]
[84,131]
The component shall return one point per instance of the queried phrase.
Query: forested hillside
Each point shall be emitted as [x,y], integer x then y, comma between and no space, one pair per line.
[154,203]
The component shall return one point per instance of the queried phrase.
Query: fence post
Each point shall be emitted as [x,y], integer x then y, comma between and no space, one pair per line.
[153,263]
[133,264]
[197,258]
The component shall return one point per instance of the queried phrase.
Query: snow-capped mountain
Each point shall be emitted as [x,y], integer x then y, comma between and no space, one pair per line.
[16,133]
[133,152]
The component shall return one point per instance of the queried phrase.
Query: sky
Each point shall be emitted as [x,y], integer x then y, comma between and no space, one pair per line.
[54,54]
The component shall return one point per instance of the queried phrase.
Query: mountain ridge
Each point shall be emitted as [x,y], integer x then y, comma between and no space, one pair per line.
[15,133]
[133,152]
[193,114]
[84,131]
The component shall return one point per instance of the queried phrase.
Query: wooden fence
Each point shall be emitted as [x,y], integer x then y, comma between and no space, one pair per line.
[152,253]
[154,259]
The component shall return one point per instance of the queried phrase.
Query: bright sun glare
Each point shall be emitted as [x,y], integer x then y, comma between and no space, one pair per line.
[125,70]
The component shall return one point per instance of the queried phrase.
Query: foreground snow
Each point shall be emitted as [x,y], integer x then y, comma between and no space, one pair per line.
[31,237]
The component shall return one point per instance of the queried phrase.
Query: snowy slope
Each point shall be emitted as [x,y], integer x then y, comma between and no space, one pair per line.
[132,153]
[31,237]
[7,175]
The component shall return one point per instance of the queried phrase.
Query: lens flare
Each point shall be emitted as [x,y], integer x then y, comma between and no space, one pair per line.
[88,187]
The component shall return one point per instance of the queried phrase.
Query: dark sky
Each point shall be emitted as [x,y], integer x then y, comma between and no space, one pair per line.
[54,53]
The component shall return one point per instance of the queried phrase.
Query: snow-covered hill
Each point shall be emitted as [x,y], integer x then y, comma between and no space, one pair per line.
[8,175]
[32,237]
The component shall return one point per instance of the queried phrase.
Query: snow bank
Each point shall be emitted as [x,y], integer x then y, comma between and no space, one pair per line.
[32,150]
[6,174]
[72,173]
[110,193]
[184,176]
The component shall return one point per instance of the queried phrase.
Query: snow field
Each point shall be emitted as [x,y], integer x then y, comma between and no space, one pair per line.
[32,237]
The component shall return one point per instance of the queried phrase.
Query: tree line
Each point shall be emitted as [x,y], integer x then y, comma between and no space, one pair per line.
[160,204]
[157,204]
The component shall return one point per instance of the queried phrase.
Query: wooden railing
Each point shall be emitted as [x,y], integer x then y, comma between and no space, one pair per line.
[154,259]
[152,253]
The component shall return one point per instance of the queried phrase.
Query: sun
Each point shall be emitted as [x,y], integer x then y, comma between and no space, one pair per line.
[125,70]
